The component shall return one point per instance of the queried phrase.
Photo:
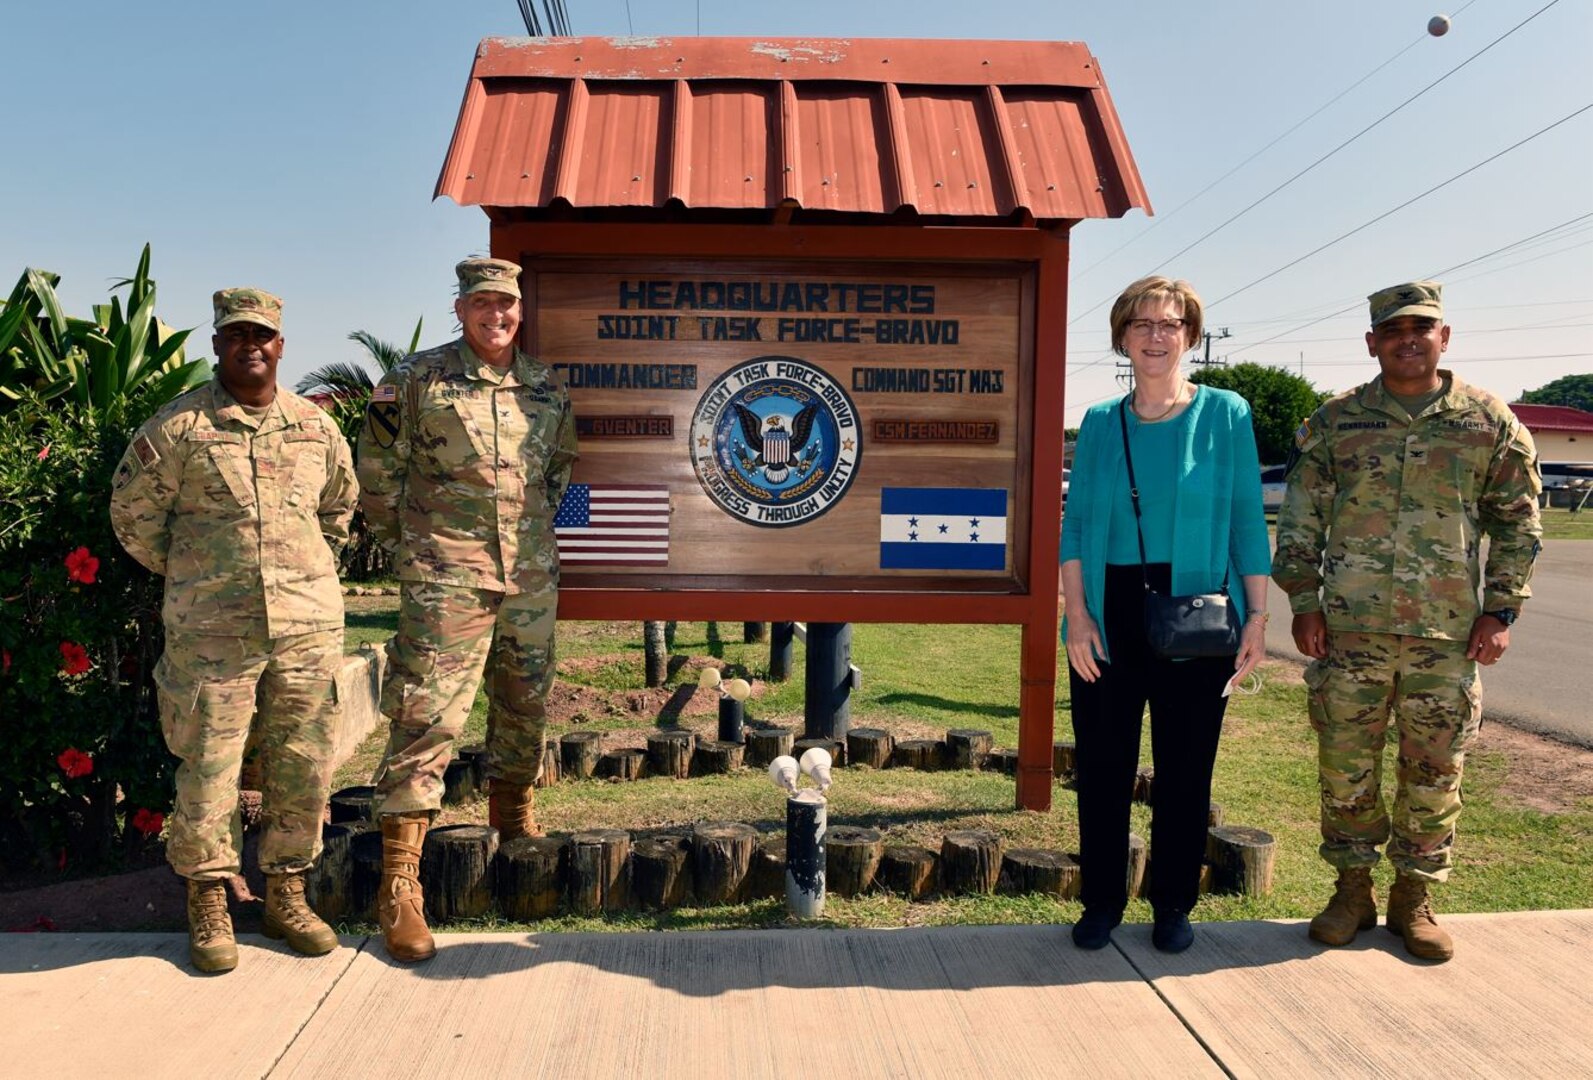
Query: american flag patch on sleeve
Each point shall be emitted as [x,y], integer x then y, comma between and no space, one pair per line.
[388,392]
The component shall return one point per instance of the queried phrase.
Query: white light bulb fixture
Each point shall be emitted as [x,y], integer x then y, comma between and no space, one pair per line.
[816,763]
[783,771]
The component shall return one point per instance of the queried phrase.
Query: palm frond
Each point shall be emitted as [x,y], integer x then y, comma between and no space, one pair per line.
[338,378]
[385,353]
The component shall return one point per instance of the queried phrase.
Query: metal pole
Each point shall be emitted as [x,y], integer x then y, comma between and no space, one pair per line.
[827,705]
[781,635]
[753,632]
[731,717]
[806,819]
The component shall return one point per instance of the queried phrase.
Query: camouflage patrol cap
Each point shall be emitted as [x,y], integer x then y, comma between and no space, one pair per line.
[1421,298]
[488,275]
[247,305]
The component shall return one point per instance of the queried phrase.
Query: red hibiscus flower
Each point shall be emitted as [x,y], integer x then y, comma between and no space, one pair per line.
[81,566]
[75,763]
[45,452]
[148,822]
[74,658]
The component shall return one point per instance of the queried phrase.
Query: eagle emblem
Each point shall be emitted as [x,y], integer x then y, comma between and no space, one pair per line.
[769,446]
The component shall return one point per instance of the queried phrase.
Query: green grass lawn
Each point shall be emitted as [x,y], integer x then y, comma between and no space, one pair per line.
[922,680]
[1561,524]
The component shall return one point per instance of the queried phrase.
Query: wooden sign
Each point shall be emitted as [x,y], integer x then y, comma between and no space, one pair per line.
[860,424]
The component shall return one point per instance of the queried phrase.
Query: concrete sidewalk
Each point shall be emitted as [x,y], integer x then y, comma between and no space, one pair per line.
[1250,999]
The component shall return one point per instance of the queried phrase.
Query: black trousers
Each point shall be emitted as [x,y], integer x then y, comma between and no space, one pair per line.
[1186,709]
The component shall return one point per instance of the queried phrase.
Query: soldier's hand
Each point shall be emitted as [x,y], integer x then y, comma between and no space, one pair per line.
[1489,640]
[1310,634]
[1084,646]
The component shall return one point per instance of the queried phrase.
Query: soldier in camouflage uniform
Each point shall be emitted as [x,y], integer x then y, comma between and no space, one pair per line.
[1392,488]
[238,493]
[465,453]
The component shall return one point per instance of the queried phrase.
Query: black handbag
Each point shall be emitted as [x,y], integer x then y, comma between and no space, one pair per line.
[1180,627]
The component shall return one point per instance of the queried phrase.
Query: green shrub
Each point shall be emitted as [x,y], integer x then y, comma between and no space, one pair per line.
[82,762]
[84,773]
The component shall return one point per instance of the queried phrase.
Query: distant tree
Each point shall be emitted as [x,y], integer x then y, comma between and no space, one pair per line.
[1573,390]
[1279,400]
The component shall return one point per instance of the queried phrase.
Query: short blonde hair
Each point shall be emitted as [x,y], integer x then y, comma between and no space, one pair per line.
[1152,289]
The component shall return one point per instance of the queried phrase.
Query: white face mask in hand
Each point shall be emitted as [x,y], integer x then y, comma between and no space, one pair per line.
[1249,688]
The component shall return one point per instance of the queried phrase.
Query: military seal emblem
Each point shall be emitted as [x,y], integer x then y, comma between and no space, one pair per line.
[775,441]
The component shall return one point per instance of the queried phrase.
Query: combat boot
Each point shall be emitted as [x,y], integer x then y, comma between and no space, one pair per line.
[511,809]
[288,917]
[1410,915]
[211,946]
[400,904]
[1352,909]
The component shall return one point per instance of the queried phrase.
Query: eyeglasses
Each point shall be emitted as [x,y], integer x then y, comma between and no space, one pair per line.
[1143,327]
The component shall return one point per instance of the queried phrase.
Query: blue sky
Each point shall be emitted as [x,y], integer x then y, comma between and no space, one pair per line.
[295,147]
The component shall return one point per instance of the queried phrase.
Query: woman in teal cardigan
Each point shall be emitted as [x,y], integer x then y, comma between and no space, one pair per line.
[1199,480]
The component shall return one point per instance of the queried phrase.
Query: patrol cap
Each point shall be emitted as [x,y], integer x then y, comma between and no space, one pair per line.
[1424,299]
[488,275]
[247,305]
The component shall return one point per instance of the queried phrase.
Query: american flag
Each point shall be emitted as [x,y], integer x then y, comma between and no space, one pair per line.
[613,524]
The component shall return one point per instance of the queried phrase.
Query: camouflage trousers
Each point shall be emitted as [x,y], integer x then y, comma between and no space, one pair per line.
[1435,695]
[211,690]
[447,636]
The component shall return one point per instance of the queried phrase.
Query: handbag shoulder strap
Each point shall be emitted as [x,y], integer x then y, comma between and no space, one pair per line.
[1133,495]
[1133,488]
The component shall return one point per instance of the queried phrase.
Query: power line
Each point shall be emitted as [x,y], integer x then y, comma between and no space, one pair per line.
[1434,274]
[1357,361]
[1162,219]
[630,27]
[1415,198]
[1212,232]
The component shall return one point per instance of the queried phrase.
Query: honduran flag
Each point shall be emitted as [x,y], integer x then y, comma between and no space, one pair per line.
[943,529]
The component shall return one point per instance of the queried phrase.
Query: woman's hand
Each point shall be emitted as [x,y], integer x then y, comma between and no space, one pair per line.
[1252,649]
[1084,646]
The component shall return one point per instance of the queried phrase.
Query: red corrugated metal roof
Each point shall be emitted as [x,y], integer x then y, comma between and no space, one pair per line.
[942,129]
[1552,417]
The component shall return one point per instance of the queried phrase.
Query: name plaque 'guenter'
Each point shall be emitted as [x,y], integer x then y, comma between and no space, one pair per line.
[858,423]
[625,427]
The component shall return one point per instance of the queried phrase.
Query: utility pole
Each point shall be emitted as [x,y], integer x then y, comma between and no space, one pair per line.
[1207,361]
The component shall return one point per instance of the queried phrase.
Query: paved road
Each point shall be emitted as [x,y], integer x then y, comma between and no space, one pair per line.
[1545,682]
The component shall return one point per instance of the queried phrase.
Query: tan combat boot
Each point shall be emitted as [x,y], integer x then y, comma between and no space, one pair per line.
[287,916]
[511,809]
[1410,915]
[211,946]
[1352,909]
[400,904]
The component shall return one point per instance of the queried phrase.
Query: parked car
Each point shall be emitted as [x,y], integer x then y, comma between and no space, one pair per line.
[1272,487]
[1556,474]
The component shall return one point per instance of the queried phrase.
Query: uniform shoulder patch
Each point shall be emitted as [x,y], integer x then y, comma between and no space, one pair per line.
[145,451]
[1302,434]
[384,417]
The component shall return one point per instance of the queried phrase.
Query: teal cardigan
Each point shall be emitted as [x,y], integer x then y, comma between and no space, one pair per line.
[1218,523]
